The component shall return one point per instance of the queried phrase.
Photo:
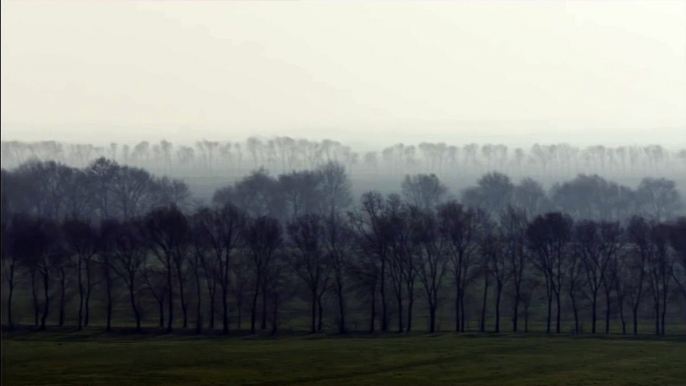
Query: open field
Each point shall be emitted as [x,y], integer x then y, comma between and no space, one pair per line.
[93,358]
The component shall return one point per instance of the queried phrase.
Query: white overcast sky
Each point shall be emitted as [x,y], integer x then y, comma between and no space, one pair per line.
[379,72]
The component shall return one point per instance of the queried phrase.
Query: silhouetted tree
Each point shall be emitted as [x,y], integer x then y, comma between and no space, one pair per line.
[548,236]
[81,244]
[262,238]
[165,233]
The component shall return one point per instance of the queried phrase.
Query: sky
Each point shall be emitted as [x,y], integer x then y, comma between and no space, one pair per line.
[382,72]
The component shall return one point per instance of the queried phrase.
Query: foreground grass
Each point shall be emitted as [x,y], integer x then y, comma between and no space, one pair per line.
[73,359]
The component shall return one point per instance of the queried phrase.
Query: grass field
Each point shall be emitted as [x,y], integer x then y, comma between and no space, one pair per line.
[58,358]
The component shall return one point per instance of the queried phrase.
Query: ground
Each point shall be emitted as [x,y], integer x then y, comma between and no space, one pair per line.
[59,358]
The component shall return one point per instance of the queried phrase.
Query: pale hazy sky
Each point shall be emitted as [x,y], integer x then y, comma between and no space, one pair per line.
[357,71]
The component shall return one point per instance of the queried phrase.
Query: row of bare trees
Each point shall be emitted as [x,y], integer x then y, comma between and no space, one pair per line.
[102,190]
[219,158]
[270,244]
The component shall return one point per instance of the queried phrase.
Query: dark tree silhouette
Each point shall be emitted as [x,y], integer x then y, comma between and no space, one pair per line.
[166,230]
[262,238]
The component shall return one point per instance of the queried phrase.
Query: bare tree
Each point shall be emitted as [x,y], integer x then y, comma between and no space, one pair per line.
[425,191]
[641,253]
[373,235]
[262,238]
[308,258]
[129,256]
[660,274]
[433,260]
[220,231]
[165,232]
[513,223]
[81,242]
[548,236]
[460,227]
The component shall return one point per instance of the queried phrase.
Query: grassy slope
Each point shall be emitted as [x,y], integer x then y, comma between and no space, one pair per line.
[52,358]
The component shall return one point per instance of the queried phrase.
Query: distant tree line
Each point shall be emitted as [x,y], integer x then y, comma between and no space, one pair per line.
[588,250]
[219,158]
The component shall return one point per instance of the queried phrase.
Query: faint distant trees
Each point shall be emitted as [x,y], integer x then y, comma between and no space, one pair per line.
[424,191]
[257,194]
[658,198]
[593,198]
[530,197]
[493,192]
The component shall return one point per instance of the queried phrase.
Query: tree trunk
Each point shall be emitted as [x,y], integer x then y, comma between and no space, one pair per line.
[320,326]
[373,310]
[63,294]
[594,317]
[497,307]
[34,293]
[160,302]
[410,304]
[86,316]
[399,299]
[239,312]
[170,294]
[182,294]
[225,307]
[253,312]
[634,311]
[665,293]
[198,315]
[80,284]
[457,308]
[384,311]
[515,311]
[211,293]
[559,313]
[341,310]
[482,322]
[621,316]
[463,314]
[550,311]
[9,304]
[136,313]
[432,318]
[313,321]
[608,305]
[263,325]
[576,313]
[108,283]
[46,305]
[275,313]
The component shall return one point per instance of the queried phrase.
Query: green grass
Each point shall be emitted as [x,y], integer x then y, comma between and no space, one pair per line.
[53,358]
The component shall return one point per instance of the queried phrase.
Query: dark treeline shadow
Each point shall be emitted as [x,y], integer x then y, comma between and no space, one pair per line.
[114,245]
